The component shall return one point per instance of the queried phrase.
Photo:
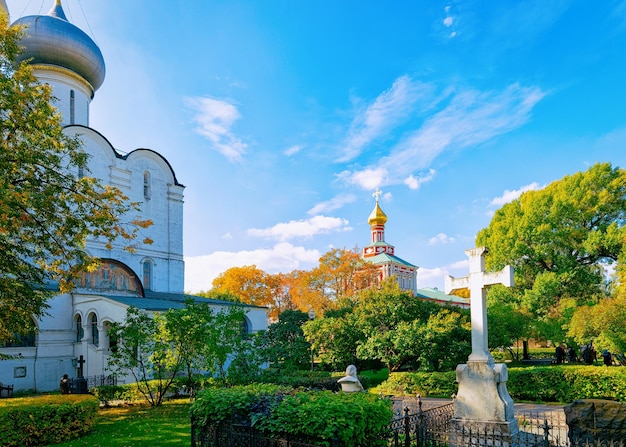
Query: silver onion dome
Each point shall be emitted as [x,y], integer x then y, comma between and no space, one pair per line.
[52,40]
[3,8]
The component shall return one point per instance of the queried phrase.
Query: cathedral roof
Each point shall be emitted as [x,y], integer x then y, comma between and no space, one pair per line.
[52,40]
[441,297]
[162,301]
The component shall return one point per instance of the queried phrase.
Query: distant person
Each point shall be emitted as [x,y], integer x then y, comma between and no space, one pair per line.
[560,354]
[588,353]
[65,384]
[607,358]
[571,355]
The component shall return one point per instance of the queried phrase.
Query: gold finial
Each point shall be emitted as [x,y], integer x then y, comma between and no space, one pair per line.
[57,3]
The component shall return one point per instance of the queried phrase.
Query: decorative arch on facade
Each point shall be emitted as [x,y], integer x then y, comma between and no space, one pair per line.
[157,158]
[111,277]
[96,137]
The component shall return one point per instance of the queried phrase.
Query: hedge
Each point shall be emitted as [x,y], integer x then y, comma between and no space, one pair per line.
[277,410]
[565,383]
[45,420]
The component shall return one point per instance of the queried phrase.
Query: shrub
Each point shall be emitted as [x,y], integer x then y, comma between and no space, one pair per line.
[426,384]
[275,410]
[46,420]
[555,383]
[567,383]
[109,393]
[130,392]
[313,380]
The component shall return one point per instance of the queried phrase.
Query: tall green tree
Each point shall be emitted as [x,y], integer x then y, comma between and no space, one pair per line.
[145,350]
[400,329]
[286,345]
[559,240]
[334,338]
[46,210]
[157,348]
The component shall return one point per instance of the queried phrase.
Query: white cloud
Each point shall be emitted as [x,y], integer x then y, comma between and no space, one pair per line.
[415,182]
[368,179]
[214,119]
[292,150]
[441,238]
[200,271]
[389,109]
[435,277]
[302,228]
[469,118]
[333,204]
[509,196]
[448,21]
[227,236]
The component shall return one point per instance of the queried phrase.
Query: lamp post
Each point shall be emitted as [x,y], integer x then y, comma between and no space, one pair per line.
[311,318]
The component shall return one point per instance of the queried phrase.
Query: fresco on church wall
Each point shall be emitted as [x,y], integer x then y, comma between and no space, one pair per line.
[111,277]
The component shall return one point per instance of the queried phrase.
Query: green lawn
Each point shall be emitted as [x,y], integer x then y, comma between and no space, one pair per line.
[139,426]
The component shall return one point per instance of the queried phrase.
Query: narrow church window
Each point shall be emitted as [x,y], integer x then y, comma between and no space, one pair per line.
[95,335]
[147,275]
[80,332]
[245,327]
[72,107]
[146,185]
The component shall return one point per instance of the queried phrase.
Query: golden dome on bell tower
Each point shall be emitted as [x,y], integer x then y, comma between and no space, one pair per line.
[377,217]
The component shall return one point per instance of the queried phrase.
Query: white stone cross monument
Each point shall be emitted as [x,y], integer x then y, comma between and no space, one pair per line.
[482,400]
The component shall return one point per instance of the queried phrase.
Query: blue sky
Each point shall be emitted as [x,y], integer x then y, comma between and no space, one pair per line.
[282,117]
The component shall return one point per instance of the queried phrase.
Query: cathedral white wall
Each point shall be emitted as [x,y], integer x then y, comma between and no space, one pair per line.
[40,368]
[62,82]
[163,206]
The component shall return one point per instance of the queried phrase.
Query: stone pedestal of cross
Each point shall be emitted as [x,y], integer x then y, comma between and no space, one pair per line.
[482,401]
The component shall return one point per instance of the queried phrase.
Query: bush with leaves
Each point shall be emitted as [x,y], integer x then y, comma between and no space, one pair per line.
[45,420]
[351,418]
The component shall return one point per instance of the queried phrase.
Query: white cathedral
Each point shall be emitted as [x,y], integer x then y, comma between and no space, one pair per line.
[72,338]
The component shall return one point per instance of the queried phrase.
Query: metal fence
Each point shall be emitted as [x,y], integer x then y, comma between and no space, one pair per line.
[233,435]
[82,385]
[421,428]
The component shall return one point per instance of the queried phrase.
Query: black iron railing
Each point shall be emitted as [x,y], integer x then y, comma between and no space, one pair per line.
[82,385]
[421,428]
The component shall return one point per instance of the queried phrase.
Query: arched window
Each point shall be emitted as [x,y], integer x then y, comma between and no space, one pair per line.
[72,107]
[95,335]
[146,185]
[245,327]
[147,275]
[80,332]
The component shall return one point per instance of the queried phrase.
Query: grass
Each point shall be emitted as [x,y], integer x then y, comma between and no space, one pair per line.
[139,426]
